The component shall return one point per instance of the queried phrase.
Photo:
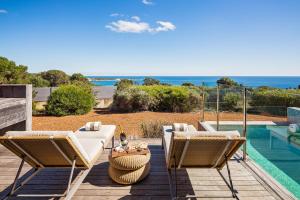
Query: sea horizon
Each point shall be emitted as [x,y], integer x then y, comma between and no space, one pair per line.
[249,81]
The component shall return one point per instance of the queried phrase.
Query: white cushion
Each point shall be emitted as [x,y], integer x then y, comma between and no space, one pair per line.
[91,146]
[106,133]
[225,134]
[69,134]
[192,131]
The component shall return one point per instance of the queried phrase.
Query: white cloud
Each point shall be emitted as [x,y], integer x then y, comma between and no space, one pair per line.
[122,26]
[165,26]
[116,15]
[147,2]
[136,18]
[136,26]
[2,11]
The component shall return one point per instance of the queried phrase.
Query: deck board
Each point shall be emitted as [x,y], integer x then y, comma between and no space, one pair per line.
[205,183]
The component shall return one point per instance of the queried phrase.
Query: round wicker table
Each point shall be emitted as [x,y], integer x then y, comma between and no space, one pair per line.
[129,167]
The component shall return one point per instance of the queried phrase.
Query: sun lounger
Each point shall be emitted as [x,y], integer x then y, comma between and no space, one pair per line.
[199,149]
[56,149]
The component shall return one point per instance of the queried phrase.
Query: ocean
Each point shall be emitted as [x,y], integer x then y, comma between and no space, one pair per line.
[249,81]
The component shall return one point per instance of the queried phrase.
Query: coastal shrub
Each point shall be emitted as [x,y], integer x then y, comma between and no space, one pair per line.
[274,101]
[151,81]
[70,100]
[123,84]
[55,77]
[131,99]
[156,98]
[153,129]
[230,101]
[78,77]
[188,84]
[37,81]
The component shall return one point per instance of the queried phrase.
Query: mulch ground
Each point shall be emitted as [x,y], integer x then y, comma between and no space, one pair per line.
[131,122]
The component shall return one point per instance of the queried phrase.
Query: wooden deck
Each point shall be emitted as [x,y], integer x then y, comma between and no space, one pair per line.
[205,183]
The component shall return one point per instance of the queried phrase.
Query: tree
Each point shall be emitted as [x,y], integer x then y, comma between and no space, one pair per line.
[227,82]
[231,101]
[55,77]
[37,81]
[123,83]
[78,77]
[187,84]
[151,81]
[12,73]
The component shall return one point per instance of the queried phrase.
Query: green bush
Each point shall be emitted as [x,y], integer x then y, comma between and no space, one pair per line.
[70,100]
[131,99]
[37,81]
[55,77]
[230,101]
[151,81]
[123,84]
[188,84]
[274,101]
[156,98]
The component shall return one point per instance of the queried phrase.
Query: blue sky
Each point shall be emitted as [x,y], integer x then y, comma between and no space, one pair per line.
[157,37]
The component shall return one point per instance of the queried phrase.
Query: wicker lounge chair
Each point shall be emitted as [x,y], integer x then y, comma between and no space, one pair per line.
[56,149]
[199,149]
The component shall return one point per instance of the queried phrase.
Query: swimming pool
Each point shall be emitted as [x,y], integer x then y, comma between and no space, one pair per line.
[277,152]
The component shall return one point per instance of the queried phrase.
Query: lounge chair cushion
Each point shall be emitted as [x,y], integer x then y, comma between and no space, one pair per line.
[106,133]
[92,147]
[85,148]
[194,134]
[168,134]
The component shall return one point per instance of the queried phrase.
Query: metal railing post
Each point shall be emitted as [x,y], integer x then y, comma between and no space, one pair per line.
[218,101]
[245,123]
[203,102]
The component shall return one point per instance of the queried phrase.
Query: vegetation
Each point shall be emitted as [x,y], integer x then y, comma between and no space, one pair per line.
[187,84]
[37,80]
[10,73]
[131,99]
[231,101]
[151,81]
[124,83]
[78,77]
[70,100]
[156,98]
[274,101]
[153,129]
[55,77]
[227,82]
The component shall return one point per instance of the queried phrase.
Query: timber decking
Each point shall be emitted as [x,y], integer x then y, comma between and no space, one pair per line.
[97,185]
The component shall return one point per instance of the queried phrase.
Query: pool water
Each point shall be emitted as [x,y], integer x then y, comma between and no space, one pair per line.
[276,151]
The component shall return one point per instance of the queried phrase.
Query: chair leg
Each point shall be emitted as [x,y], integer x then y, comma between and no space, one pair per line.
[71,175]
[14,186]
[229,176]
[170,182]
[175,176]
[17,177]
